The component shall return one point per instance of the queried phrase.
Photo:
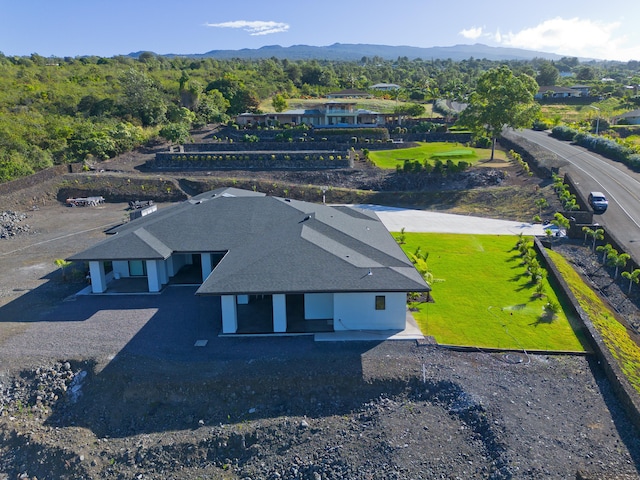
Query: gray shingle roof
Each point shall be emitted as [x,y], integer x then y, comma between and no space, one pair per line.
[271,245]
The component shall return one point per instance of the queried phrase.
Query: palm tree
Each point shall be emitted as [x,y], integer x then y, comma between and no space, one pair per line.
[618,261]
[541,203]
[606,250]
[633,277]
[62,264]
[596,234]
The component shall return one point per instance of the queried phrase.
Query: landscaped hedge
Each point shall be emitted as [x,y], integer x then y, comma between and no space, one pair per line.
[602,145]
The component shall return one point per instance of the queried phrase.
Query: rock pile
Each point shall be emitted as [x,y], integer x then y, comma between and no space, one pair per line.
[38,390]
[11,224]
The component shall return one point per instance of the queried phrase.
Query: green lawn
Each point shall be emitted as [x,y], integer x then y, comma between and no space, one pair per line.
[483,297]
[389,159]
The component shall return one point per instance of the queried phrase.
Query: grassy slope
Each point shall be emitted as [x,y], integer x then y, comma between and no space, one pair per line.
[615,335]
[482,297]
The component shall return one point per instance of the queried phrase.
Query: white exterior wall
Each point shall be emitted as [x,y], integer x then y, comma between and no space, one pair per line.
[229,314]
[357,311]
[176,261]
[98,279]
[207,265]
[279,313]
[153,276]
[243,299]
[318,306]
[120,268]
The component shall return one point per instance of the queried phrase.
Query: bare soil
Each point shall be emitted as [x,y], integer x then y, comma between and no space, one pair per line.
[279,408]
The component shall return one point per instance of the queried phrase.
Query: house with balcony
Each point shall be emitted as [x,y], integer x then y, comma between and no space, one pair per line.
[327,114]
[277,265]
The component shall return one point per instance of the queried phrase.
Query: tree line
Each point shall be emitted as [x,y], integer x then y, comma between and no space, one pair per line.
[60,110]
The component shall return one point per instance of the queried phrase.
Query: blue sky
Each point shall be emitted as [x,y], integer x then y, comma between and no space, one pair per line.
[586,28]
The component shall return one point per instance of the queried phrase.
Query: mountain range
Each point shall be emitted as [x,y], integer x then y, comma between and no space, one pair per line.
[355,52]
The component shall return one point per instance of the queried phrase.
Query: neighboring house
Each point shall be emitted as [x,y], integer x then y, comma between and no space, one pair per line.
[631,118]
[583,89]
[326,268]
[555,91]
[325,114]
[385,87]
[349,93]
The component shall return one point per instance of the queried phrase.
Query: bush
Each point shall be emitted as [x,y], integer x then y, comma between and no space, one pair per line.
[483,142]
[562,132]
[541,125]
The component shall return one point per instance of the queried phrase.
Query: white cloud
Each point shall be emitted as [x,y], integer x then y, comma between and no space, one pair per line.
[472,33]
[256,27]
[575,37]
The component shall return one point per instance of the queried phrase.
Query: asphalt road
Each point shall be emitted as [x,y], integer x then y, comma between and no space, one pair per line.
[594,172]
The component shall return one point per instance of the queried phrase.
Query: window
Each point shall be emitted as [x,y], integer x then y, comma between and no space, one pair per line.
[380,302]
[137,268]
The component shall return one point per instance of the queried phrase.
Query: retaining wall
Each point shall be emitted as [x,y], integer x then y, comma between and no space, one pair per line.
[251,160]
[624,390]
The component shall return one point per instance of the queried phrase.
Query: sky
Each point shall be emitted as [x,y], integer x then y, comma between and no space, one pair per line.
[606,30]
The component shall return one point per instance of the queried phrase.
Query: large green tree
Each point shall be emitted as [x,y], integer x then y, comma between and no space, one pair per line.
[548,74]
[500,100]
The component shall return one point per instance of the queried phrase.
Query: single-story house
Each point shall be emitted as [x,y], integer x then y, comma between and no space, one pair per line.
[327,267]
[331,113]
[631,118]
[555,91]
[584,90]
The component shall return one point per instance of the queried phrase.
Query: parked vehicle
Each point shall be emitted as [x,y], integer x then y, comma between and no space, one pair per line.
[598,202]
[84,201]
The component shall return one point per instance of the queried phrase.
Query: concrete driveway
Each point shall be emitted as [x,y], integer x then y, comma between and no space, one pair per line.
[426,221]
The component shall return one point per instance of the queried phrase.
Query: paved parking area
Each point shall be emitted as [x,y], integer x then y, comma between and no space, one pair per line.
[427,221]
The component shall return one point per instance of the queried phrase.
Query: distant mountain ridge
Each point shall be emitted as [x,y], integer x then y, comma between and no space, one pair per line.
[354,52]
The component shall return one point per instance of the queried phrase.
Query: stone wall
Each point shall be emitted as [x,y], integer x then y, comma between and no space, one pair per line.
[623,389]
[35,179]
[251,160]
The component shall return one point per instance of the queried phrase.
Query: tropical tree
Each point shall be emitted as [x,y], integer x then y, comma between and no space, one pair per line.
[560,221]
[501,100]
[606,250]
[633,277]
[541,203]
[595,234]
[617,260]
[279,102]
[142,98]
[175,132]
[419,260]
[62,264]
[547,74]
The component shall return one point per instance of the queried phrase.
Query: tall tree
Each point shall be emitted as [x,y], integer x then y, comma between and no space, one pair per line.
[279,102]
[501,100]
[142,99]
[547,74]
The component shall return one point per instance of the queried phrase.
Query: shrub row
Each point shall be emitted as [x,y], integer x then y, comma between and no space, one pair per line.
[568,199]
[437,168]
[518,158]
[604,146]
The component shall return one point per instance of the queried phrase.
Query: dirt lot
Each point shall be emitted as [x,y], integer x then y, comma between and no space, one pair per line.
[93,389]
